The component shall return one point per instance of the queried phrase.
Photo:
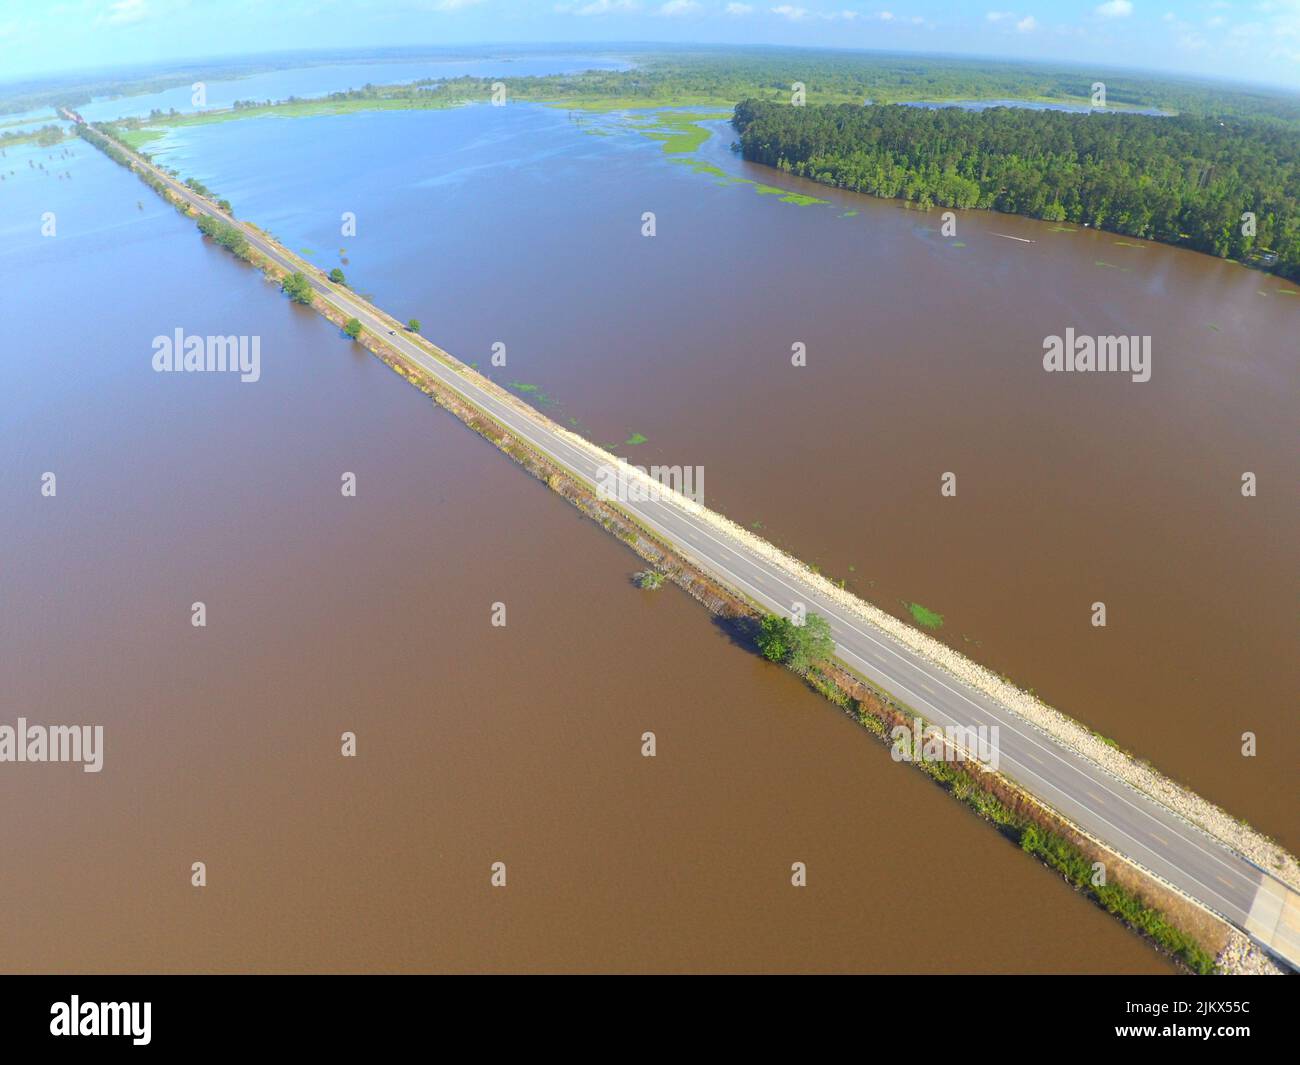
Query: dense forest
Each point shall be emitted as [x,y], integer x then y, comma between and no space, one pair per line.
[726,76]
[875,77]
[1184,179]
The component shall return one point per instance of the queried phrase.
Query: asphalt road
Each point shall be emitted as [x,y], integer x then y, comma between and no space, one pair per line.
[1135,825]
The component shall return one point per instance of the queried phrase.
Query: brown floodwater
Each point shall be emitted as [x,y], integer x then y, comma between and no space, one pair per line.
[522,744]
[476,744]
[924,356]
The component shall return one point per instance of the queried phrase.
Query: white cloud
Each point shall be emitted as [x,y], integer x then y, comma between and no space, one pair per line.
[124,12]
[1027,24]
[740,9]
[597,7]
[455,5]
[797,14]
[999,16]
[679,7]
[1116,9]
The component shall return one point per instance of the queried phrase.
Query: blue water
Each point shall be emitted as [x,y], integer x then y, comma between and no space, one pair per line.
[339,77]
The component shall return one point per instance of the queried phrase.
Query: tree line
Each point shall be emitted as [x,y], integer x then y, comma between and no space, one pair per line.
[1226,186]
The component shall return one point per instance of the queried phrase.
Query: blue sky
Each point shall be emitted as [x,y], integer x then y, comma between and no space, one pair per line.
[1256,40]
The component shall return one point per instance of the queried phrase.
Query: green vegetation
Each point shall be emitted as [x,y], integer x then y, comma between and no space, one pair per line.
[1053,850]
[806,649]
[139,131]
[649,579]
[353,328]
[1184,179]
[298,288]
[710,77]
[413,325]
[228,236]
[99,137]
[801,647]
[138,138]
[1075,867]
[336,275]
[679,131]
[636,438]
[773,638]
[799,198]
[45,136]
[924,616]
[1181,180]
[723,76]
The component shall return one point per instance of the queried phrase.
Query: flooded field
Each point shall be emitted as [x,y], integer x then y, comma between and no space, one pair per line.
[924,356]
[521,744]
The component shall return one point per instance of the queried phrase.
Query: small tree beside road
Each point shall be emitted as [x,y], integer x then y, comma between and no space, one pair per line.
[297,288]
[798,646]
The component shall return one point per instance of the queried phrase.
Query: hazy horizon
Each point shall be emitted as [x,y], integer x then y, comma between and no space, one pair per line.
[1247,41]
[397,52]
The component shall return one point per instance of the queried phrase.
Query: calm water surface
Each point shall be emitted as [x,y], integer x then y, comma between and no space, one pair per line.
[924,356]
[522,744]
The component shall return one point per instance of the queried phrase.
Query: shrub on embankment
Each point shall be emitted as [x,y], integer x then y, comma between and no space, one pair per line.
[225,234]
[799,646]
[298,288]
[808,648]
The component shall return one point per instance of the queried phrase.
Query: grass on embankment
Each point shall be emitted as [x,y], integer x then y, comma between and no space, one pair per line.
[878,713]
